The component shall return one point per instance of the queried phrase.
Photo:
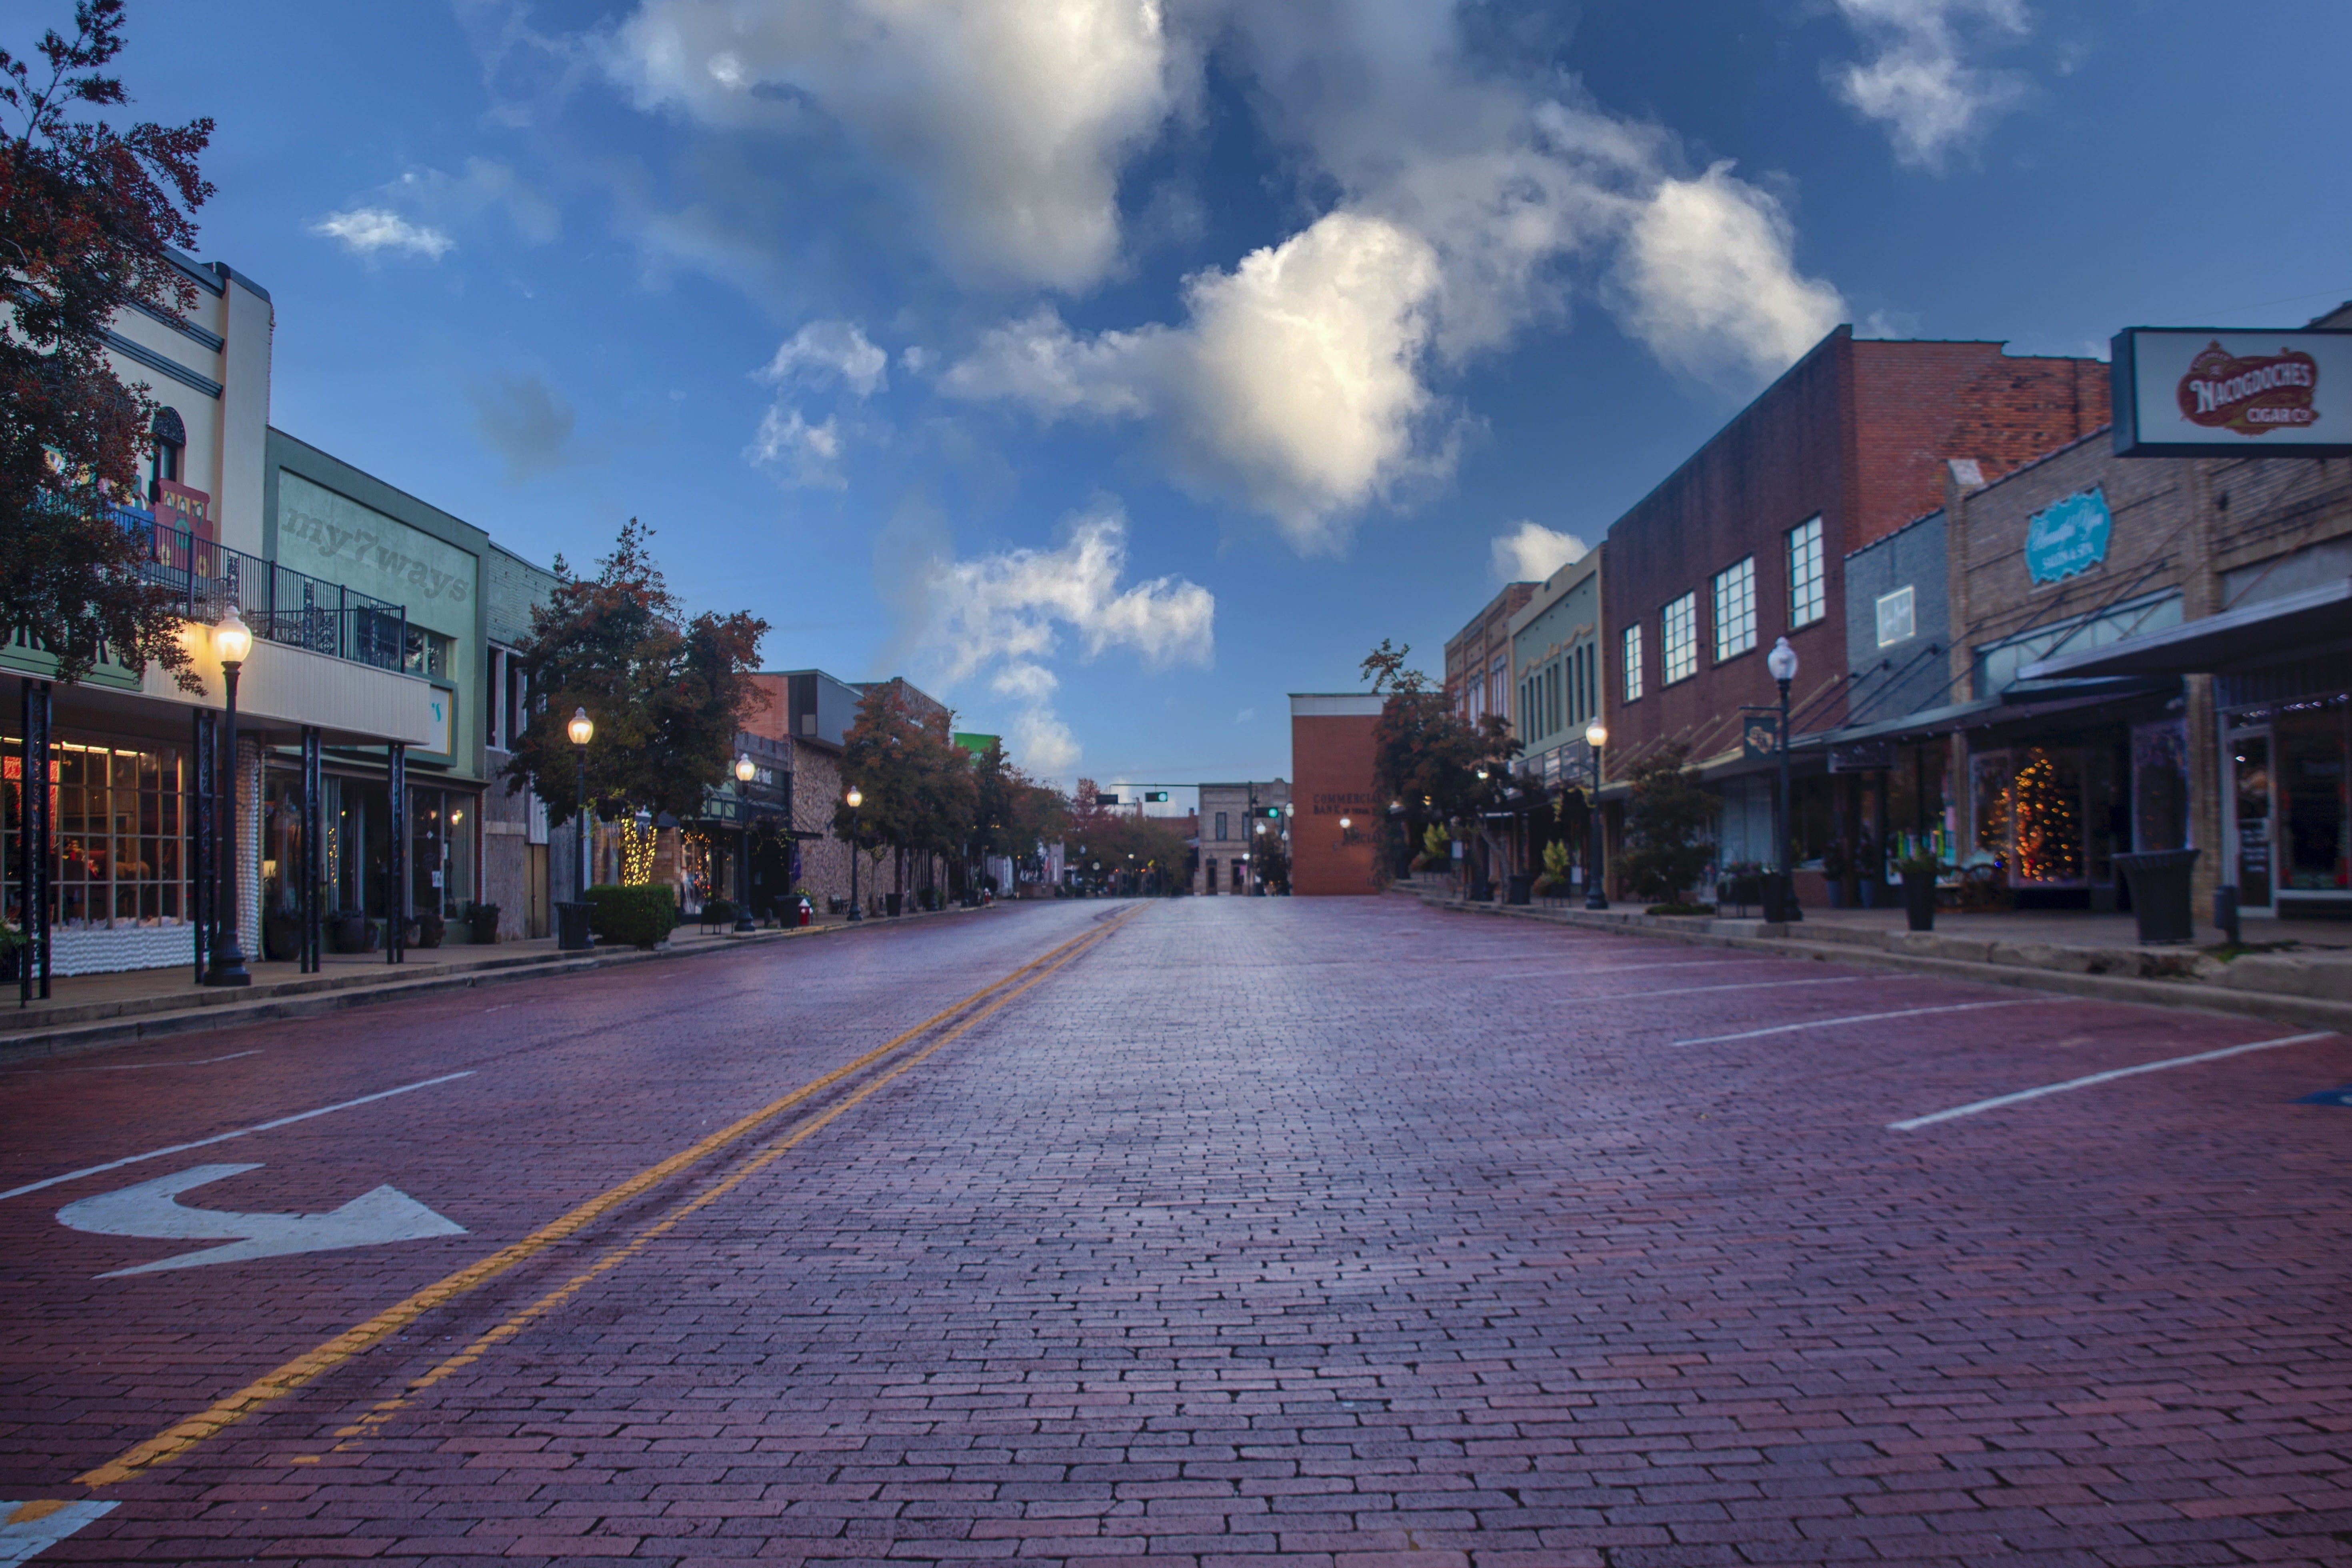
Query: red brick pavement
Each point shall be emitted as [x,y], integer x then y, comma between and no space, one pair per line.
[1331,1232]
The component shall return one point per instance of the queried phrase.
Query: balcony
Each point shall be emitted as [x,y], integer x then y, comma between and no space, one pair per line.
[280,605]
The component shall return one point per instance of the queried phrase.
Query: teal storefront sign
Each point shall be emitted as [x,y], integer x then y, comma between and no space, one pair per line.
[2069,537]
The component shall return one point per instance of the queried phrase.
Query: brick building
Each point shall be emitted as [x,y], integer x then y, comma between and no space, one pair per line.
[1338,817]
[1234,820]
[1478,657]
[1744,543]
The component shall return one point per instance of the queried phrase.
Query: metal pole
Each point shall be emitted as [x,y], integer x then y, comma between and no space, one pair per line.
[743,909]
[1785,833]
[229,949]
[1596,896]
[854,913]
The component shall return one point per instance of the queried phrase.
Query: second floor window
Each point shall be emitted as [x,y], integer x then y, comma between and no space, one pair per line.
[1632,664]
[1806,594]
[1735,609]
[1679,639]
[1896,622]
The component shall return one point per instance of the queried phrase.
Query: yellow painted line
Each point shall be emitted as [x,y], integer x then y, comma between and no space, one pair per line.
[312,1365]
[380,1413]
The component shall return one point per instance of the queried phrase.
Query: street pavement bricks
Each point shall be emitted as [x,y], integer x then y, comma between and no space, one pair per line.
[1339,1232]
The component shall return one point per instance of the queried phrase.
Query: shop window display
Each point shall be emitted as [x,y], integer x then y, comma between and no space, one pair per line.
[117,858]
[2315,811]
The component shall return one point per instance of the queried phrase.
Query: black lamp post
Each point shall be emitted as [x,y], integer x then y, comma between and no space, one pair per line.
[582,729]
[853,799]
[745,771]
[233,640]
[1783,662]
[1596,894]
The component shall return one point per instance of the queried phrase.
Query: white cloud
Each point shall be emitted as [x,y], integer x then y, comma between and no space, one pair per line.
[1292,386]
[1917,83]
[1010,118]
[1710,285]
[1531,553]
[1003,616]
[1245,715]
[798,452]
[364,231]
[825,352]
[1304,383]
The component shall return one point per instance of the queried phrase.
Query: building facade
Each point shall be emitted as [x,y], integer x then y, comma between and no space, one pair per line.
[1478,657]
[1556,640]
[1338,821]
[1235,820]
[1743,543]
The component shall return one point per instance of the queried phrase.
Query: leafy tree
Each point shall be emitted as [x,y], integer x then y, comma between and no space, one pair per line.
[86,216]
[667,693]
[1012,813]
[917,784]
[1426,755]
[1667,823]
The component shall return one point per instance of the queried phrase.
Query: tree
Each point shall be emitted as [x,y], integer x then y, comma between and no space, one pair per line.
[1013,814]
[668,694]
[918,785]
[1424,754]
[87,219]
[1667,825]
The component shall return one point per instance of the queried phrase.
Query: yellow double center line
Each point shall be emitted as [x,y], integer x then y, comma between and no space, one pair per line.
[312,1365]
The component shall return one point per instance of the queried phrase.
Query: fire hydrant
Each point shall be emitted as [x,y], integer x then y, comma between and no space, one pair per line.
[806,909]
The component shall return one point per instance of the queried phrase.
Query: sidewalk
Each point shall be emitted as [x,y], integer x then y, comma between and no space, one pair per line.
[87,1011]
[2304,975]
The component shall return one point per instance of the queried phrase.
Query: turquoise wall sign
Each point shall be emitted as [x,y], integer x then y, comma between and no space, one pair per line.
[2069,537]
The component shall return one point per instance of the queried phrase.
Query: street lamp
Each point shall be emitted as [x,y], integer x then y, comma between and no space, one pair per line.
[745,771]
[232,639]
[1596,896]
[853,800]
[582,729]
[1783,662]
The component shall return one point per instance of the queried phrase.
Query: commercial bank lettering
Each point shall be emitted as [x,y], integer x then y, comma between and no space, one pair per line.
[365,549]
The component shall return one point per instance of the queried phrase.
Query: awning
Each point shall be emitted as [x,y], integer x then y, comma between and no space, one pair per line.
[2294,625]
[2023,699]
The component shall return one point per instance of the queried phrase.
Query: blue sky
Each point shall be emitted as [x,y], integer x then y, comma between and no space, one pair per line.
[1115,368]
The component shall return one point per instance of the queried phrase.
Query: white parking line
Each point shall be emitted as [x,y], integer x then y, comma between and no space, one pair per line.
[225,1137]
[180,1062]
[1998,1100]
[1703,990]
[1859,1018]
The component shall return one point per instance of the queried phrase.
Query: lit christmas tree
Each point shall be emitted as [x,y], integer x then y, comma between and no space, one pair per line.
[2049,829]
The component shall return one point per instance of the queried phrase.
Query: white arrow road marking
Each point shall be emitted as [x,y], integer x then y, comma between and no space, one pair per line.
[152,1208]
[29,1528]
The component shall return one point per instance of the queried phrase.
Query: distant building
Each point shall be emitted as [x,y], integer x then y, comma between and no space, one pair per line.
[1236,819]
[1478,657]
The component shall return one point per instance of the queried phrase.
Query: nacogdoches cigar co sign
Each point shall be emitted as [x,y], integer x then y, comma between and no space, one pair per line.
[2183,392]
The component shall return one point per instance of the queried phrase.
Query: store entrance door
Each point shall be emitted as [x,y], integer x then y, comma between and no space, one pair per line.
[2248,833]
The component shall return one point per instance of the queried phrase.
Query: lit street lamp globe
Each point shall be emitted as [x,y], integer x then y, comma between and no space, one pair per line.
[1596,734]
[744,769]
[581,729]
[232,638]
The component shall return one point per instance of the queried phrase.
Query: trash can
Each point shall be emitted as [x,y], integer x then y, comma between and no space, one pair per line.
[572,926]
[891,903]
[2159,893]
[1521,889]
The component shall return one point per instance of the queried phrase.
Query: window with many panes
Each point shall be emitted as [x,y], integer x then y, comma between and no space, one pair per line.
[115,859]
[1807,595]
[1679,639]
[1632,677]
[1735,609]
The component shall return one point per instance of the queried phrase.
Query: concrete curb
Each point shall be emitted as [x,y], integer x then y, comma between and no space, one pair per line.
[2195,996]
[313,997]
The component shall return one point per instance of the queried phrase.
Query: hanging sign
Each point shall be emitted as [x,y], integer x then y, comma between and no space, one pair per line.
[1760,736]
[2069,537]
[2184,392]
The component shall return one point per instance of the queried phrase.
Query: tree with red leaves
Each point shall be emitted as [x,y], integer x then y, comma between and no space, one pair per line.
[88,215]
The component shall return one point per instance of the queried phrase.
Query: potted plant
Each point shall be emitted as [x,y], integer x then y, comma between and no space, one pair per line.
[281,935]
[1835,863]
[1920,870]
[1741,884]
[484,920]
[13,942]
[431,928]
[347,931]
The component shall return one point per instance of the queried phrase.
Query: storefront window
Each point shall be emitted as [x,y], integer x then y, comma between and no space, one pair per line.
[2045,813]
[441,850]
[117,858]
[2316,815]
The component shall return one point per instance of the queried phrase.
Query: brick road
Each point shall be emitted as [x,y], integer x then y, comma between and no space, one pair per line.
[1331,1232]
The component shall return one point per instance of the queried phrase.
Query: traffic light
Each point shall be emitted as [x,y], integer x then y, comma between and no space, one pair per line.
[1106,800]
[1272,811]
[1157,796]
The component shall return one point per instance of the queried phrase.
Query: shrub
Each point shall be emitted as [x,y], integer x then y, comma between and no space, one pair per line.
[640,916]
[1667,825]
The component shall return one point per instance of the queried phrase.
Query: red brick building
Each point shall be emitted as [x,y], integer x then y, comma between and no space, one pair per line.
[1479,676]
[1744,541]
[1331,784]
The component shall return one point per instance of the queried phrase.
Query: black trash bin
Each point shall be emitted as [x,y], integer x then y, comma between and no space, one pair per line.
[893,903]
[1521,889]
[572,926]
[2159,893]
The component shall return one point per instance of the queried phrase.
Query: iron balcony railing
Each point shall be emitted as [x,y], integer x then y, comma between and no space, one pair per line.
[280,605]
